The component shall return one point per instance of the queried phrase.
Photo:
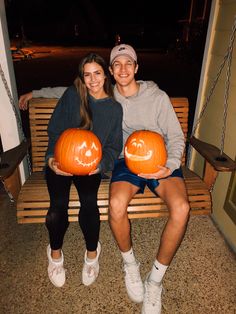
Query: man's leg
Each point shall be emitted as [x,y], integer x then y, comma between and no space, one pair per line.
[172,190]
[121,194]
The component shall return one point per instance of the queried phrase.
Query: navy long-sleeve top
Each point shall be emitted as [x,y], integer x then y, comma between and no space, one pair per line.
[107,117]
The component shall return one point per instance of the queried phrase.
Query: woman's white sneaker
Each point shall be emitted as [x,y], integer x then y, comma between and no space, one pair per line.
[91,270]
[56,270]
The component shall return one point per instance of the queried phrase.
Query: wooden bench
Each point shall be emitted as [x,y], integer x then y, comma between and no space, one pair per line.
[33,199]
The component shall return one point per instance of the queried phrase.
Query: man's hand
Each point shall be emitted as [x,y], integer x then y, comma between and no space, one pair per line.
[162,173]
[94,172]
[53,164]
[24,99]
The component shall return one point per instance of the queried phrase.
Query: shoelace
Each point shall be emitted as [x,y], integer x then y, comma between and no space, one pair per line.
[57,270]
[153,293]
[91,269]
[133,272]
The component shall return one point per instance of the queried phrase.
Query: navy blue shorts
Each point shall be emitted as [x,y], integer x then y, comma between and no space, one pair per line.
[122,173]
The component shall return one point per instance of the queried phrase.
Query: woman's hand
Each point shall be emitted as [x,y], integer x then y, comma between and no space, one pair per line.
[24,99]
[162,173]
[53,164]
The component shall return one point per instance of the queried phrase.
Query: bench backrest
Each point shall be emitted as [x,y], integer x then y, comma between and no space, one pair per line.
[40,111]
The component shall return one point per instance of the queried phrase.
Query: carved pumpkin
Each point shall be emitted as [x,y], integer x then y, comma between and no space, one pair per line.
[78,151]
[145,151]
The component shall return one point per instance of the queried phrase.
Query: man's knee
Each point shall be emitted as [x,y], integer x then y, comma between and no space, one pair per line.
[117,208]
[180,212]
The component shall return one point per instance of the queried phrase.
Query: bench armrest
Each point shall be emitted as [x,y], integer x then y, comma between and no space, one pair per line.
[214,161]
[220,162]
[10,159]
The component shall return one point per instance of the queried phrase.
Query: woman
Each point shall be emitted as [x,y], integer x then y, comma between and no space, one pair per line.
[88,104]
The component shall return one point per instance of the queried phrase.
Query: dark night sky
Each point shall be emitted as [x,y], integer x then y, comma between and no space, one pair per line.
[123,11]
[97,21]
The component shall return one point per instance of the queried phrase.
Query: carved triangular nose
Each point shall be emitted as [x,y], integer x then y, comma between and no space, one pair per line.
[88,153]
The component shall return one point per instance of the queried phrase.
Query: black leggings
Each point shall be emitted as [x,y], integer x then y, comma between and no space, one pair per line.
[57,216]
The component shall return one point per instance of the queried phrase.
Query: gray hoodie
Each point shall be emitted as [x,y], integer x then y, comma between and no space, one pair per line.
[149,109]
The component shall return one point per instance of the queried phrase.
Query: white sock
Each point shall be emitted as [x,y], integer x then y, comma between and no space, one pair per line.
[90,260]
[128,257]
[158,271]
[57,260]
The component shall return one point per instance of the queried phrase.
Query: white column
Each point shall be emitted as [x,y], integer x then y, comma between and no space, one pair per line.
[9,130]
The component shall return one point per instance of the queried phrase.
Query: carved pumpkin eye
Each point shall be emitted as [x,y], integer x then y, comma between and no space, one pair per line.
[94,146]
[137,143]
[145,151]
[83,145]
[78,151]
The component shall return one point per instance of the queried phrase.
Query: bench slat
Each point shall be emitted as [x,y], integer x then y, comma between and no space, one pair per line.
[33,200]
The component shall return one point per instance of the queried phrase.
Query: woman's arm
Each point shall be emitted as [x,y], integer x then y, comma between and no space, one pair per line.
[114,142]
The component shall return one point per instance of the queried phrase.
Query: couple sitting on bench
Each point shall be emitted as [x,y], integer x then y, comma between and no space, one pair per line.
[113,114]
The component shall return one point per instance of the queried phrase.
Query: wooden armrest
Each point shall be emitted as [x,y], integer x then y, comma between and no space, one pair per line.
[220,162]
[10,159]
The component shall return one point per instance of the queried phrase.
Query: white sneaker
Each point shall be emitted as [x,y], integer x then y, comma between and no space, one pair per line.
[152,297]
[133,282]
[91,270]
[56,270]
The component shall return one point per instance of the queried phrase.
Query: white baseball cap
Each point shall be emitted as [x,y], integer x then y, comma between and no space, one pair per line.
[123,50]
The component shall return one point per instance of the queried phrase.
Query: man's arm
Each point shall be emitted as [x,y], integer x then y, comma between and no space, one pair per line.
[46,92]
[24,99]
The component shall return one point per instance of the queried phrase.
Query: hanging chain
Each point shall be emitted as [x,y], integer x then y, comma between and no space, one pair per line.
[227,83]
[17,115]
[227,57]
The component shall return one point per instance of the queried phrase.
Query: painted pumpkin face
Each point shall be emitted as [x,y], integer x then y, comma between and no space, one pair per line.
[78,151]
[145,151]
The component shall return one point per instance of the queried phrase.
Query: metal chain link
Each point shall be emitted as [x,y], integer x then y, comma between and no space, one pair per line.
[227,57]
[17,115]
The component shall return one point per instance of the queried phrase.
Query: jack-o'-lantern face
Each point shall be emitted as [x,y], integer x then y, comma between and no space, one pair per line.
[86,154]
[78,151]
[145,151]
[137,150]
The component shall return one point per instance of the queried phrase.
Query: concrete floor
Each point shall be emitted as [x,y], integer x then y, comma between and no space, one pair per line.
[201,278]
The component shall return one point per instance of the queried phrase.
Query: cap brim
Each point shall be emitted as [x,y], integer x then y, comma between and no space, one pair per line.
[122,55]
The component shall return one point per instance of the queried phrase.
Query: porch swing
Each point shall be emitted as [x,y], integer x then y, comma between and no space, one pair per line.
[216,160]
[32,199]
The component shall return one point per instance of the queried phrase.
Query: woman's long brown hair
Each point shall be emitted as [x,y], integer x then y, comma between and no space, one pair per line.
[85,111]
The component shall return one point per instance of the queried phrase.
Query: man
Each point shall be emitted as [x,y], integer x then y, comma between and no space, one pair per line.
[145,106]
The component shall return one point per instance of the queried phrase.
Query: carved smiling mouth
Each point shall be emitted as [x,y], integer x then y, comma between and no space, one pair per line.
[138,157]
[86,164]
